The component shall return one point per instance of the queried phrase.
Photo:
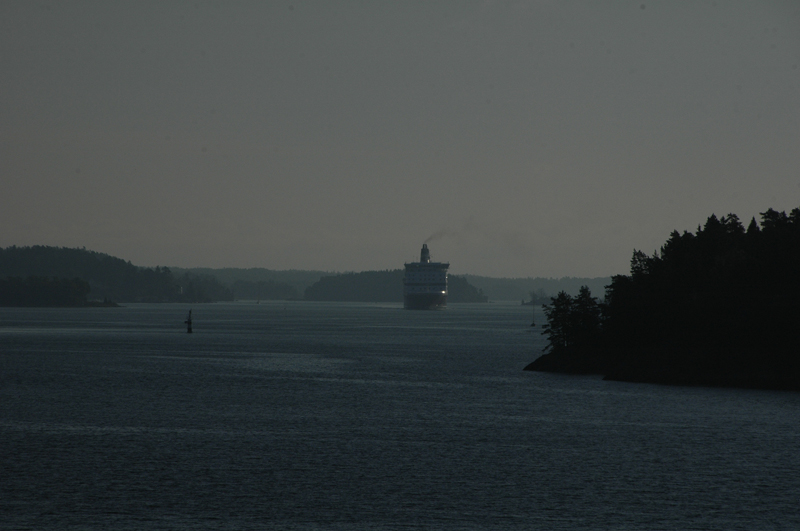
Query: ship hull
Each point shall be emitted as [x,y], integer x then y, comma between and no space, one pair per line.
[425,301]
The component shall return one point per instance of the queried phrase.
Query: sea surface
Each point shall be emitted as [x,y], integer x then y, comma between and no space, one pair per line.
[298,415]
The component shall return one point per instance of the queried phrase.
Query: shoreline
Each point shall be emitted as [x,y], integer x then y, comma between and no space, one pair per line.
[683,371]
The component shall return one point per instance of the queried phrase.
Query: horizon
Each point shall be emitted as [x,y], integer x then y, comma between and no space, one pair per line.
[323,271]
[518,139]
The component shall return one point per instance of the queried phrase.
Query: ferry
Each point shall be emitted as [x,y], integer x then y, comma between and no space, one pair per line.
[425,283]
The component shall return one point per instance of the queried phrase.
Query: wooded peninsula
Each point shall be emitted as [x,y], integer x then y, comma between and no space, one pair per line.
[718,307]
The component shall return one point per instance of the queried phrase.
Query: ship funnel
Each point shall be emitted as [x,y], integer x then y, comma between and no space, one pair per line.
[425,254]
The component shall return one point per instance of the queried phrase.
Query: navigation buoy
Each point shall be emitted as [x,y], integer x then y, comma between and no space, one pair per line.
[188,322]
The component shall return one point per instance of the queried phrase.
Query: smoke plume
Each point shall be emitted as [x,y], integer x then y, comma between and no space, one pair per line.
[467,226]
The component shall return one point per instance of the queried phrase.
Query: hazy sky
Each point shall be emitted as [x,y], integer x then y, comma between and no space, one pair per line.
[535,138]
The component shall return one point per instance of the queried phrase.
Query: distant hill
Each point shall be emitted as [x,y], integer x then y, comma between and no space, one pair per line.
[247,283]
[366,286]
[108,277]
[260,283]
[112,278]
[264,290]
[518,289]
[382,286]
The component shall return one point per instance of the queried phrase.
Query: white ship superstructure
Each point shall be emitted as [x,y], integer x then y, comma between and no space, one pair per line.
[425,283]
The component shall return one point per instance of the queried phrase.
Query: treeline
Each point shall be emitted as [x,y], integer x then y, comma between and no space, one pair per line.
[382,286]
[113,279]
[264,290]
[519,289]
[460,290]
[540,296]
[367,286]
[110,278]
[247,282]
[42,291]
[717,307]
[272,284]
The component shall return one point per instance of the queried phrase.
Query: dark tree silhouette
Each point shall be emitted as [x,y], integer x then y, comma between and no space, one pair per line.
[717,307]
[572,321]
[559,322]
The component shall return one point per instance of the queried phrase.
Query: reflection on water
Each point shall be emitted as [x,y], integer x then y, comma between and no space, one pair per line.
[353,416]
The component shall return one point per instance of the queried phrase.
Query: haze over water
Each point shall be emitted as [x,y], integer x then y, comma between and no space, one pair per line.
[363,416]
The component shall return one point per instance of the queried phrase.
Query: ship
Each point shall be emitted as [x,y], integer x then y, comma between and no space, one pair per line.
[425,283]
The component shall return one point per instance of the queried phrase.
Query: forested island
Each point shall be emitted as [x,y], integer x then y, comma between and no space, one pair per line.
[258,283]
[718,308]
[40,276]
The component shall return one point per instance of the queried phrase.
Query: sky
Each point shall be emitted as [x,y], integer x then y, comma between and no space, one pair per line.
[517,138]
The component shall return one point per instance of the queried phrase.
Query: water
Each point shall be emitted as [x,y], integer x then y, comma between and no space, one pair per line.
[364,416]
